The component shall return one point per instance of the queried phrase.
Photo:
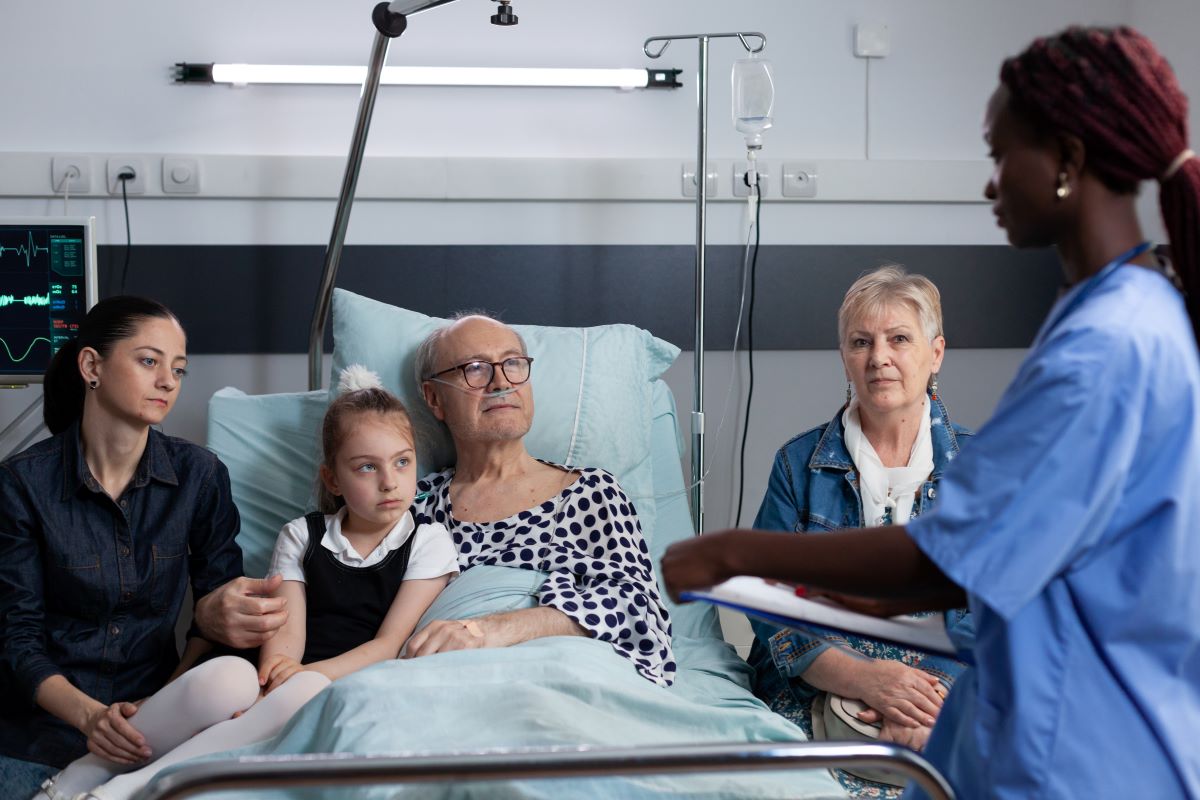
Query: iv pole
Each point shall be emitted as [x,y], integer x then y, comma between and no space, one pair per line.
[697,487]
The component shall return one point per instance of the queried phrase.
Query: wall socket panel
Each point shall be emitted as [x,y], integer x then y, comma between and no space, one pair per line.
[71,174]
[800,179]
[117,165]
[741,186]
[688,181]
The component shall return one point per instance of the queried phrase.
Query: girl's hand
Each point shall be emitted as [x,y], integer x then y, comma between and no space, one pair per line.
[112,737]
[275,670]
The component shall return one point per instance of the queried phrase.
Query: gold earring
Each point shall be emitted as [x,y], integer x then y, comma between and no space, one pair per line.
[1064,188]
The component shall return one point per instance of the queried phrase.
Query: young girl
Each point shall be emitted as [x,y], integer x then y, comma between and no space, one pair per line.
[357,576]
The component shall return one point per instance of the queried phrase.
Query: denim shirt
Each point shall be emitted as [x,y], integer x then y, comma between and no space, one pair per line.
[814,488]
[92,587]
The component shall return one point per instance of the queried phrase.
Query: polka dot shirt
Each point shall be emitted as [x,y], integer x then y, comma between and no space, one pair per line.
[589,540]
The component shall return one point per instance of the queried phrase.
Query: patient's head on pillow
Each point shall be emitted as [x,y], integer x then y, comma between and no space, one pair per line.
[474,375]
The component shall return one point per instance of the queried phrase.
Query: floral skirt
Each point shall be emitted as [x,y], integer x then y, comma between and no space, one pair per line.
[799,712]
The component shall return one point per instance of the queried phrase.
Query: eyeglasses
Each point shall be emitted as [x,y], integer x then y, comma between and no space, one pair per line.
[478,374]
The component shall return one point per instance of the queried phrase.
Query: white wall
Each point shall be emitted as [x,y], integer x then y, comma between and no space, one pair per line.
[93,78]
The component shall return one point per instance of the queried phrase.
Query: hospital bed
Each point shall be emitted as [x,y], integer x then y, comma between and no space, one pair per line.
[561,717]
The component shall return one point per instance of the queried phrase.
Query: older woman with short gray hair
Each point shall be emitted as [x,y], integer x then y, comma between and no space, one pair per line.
[877,462]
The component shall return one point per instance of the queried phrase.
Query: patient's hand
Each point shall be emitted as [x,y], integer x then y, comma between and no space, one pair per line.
[444,635]
[494,630]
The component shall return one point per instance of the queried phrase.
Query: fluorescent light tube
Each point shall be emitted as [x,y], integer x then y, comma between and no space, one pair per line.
[243,74]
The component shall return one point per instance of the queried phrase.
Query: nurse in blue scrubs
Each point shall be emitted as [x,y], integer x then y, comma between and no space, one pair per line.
[1072,524]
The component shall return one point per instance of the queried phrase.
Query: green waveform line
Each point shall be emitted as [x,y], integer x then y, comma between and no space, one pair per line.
[16,360]
[30,251]
[29,299]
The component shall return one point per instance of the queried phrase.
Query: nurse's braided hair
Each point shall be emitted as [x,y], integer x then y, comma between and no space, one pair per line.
[1116,92]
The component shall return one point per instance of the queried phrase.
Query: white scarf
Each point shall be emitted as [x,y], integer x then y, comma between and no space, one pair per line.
[888,491]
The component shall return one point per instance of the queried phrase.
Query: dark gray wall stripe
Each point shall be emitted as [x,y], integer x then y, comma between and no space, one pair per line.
[259,298]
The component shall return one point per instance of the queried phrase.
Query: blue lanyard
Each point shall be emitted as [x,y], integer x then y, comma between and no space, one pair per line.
[1082,292]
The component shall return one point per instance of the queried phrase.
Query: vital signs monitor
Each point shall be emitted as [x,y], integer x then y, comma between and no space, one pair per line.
[47,284]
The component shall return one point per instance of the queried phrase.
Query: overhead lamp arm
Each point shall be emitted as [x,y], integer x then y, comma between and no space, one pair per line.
[390,20]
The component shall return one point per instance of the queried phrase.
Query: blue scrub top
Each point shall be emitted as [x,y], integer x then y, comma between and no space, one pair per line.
[1073,524]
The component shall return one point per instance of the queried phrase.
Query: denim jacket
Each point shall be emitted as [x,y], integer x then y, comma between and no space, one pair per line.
[91,587]
[814,488]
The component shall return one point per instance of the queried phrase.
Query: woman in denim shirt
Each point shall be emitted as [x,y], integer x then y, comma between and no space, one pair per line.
[104,525]
[877,462]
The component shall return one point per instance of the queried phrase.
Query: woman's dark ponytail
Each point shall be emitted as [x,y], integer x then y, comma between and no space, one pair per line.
[109,321]
[62,388]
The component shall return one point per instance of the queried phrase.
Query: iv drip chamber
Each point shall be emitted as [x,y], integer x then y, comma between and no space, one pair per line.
[753,99]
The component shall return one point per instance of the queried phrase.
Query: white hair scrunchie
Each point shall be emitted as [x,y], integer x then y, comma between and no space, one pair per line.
[1179,161]
[356,377]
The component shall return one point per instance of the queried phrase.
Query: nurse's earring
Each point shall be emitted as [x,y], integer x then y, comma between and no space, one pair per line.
[1064,187]
[933,386]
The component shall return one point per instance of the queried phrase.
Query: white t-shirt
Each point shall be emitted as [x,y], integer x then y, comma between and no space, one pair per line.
[432,555]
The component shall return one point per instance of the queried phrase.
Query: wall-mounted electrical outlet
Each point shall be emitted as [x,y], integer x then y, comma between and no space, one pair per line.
[72,174]
[800,179]
[872,40]
[688,181]
[123,164]
[741,178]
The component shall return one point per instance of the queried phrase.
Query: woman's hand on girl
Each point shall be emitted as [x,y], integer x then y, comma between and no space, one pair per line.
[113,737]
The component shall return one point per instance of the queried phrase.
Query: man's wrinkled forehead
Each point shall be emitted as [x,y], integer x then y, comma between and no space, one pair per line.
[478,338]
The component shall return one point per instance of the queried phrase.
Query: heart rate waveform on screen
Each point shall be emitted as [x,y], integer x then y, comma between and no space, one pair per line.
[29,299]
[30,250]
[18,359]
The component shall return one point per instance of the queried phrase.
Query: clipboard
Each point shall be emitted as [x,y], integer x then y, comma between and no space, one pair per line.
[780,605]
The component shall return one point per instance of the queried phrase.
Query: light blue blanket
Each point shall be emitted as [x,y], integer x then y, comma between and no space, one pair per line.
[546,692]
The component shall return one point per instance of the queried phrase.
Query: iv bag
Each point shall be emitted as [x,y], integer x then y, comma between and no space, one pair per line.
[753,98]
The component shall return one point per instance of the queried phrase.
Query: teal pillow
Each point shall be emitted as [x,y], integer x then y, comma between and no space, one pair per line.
[594,394]
[593,388]
[270,444]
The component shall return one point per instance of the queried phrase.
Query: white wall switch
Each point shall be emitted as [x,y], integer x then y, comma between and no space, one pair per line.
[180,175]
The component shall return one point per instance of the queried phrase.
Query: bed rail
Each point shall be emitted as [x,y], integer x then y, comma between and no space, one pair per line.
[277,772]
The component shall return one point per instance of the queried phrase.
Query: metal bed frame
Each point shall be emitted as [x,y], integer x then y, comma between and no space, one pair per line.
[279,772]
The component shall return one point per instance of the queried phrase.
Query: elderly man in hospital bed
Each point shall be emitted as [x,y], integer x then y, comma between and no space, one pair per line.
[506,508]
[554,559]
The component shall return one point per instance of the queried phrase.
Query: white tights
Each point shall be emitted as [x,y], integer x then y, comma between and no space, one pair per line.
[190,717]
